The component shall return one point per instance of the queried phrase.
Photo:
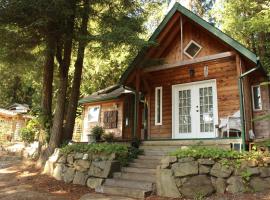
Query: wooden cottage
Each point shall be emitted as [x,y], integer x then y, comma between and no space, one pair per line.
[12,120]
[197,83]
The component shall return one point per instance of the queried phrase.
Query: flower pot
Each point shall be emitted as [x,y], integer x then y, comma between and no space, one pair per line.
[91,139]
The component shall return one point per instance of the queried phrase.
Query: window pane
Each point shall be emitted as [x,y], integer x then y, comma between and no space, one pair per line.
[257,97]
[93,114]
[158,105]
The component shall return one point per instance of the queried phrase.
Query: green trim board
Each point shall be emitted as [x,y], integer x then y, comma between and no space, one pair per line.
[215,31]
[85,100]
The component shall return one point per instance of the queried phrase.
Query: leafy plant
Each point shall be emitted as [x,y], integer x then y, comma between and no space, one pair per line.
[31,131]
[97,131]
[108,137]
[246,176]
[124,154]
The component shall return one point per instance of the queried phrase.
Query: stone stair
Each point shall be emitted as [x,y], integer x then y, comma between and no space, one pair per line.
[138,179]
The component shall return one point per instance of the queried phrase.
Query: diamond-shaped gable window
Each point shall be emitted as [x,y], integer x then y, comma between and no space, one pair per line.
[192,49]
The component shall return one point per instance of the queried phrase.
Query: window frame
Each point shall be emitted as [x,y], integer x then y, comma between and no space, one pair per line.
[160,106]
[90,107]
[190,42]
[253,102]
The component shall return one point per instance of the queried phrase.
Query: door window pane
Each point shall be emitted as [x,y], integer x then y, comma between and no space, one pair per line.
[184,111]
[206,109]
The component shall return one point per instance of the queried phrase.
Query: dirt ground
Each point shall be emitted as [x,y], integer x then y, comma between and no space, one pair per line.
[20,180]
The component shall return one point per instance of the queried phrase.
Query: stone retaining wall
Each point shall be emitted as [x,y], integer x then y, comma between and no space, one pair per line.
[193,178]
[80,168]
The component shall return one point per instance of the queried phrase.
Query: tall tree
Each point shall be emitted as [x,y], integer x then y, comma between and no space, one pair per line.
[75,90]
[248,21]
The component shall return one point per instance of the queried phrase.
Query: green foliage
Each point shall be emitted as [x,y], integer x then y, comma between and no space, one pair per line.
[30,133]
[97,131]
[246,175]
[124,154]
[247,21]
[218,154]
[206,152]
[108,137]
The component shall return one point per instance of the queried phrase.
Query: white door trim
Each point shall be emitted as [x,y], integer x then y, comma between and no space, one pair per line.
[191,84]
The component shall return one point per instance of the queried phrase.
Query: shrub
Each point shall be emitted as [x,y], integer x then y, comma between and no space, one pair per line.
[97,131]
[123,153]
[218,153]
[31,131]
[108,137]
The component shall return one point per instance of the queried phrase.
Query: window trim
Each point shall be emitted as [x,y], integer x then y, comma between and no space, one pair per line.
[253,102]
[88,110]
[190,42]
[161,94]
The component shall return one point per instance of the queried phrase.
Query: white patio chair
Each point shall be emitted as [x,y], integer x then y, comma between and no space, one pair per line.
[231,124]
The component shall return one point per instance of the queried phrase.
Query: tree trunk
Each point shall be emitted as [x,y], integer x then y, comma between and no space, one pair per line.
[75,91]
[48,69]
[64,64]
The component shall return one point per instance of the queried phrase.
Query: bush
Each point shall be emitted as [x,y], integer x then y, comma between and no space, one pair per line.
[218,153]
[108,137]
[124,154]
[31,131]
[97,131]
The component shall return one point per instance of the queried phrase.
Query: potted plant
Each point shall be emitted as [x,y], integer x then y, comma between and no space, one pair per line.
[95,134]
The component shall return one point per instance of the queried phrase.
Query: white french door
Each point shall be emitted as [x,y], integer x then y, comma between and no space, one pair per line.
[194,110]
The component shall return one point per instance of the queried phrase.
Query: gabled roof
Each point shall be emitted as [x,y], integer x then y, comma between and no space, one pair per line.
[189,14]
[109,93]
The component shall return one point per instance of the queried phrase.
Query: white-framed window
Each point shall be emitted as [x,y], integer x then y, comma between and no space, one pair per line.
[158,106]
[93,114]
[256,97]
[192,49]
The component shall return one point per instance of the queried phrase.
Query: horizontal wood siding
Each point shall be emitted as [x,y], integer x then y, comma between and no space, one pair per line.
[223,71]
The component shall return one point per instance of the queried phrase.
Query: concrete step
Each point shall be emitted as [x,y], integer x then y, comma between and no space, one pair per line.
[143,185]
[139,170]
[157,162]
[161,148]
[144,157]
[155,153]
[135,176]
[122,191]
[147,165]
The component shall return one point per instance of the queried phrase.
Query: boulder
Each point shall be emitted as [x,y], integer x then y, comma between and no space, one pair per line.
[187,159]
[70,159]
[80,178]
[94,182]
[249,163]
[197,186]
[205,161]
[250,170]
[103,169]
[48,168]
[236,185]
[85,156]
[167,160]
[259,184]
[203,169]
[62,159]
[78,156]
[266,160]
[220,171]
[265,171]
[82,165]
[219,185]
[55,156]
[185,169]
[166,185]
[68,175]
[59,171]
